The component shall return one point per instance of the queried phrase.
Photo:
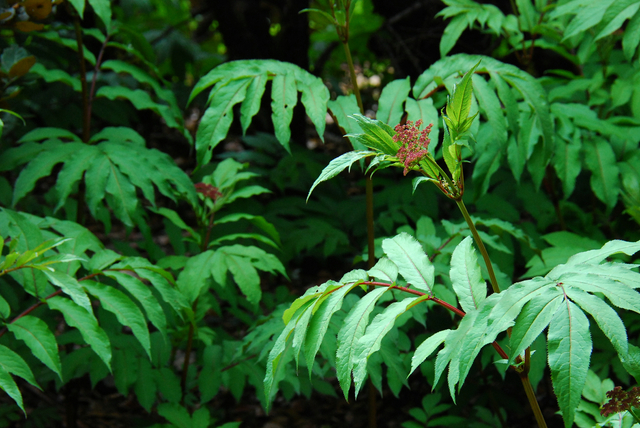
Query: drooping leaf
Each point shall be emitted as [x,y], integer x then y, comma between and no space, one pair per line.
[36,335]
[78,317]
[569,346]
[465,275]
[124,309]
[352,330]
[377,135]
[338,165]
[427,348]
[601,160]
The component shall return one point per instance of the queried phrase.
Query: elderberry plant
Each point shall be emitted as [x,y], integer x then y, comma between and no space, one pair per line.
[557,302]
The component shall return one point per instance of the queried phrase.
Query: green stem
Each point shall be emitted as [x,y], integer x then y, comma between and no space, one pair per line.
[86,118]
[533,401]
[480,244]
[352,74]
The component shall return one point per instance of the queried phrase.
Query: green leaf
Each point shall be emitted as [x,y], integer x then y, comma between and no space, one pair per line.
[569,346]
[73,170]
[567,164]
[142,293]
[385,270]
[37,336]
[338,165]
[631,37]
[612,247]
[459,105]
[41,166]
[534,318]
[452,33]
[606,318]
[425,110]
[283,99]
[71,288]
[391,102]
[78,317]
[9,386]
[315,97]
[601,160]
[342,108]
[124,309]
[195,274]
[615,15]
[427,348]
[319,324]
[465,275]
[56,75]
[588,15]
[353,328]
[13,363]
[413,264]
[251,105]
[217,119]
[377,135]
[246,276]
[102,8]
[145,386]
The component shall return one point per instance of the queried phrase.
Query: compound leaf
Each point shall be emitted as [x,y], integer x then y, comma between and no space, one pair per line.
[36,335]
[413,264]
[466,277]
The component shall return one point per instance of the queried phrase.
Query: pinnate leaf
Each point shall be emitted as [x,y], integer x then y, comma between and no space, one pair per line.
[36,335]
[465,275]
[413,264]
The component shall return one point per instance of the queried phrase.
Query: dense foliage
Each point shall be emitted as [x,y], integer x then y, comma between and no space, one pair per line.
[168,233]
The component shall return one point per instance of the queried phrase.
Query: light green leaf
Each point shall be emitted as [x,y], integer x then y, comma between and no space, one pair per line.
[217,119]
[534,318]
[616,14]
[284,98]
[124,309]
[353,328]
[391,102]
[606,318]
[376,331]
[452,33]
[459,104]
[377,135]
[102,8]
[251,104]
[36,335]
[385,270]
[466,277]
[78,317]
[631,37]
[71,287]
[569,346]
[342,109]
[619,294]
[413,264]
[324,310]
[612,247]
[427,348]
[315,97]
[338,165]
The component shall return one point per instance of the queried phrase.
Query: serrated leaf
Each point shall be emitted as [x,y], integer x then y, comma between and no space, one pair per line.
[283,99]
[391,102]
[377,135]
[534,318]
[124,309]
[338,165]
[615,15]
[78,317]
[353,328]
[342,109]
[217,119]
[612,247]
[9,386]
[13,363]
[385,270]
[251,104]
[71,287]
[620,295]
[459,104]
[569,346]
[452,33]
[466,277]
[606,318]
[566,162]
[36,335]
[413,264]
[142,293]
[427,348]
[320,322]
[371,341]
[315,97]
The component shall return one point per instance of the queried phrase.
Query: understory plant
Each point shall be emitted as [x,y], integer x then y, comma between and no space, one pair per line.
[558,302]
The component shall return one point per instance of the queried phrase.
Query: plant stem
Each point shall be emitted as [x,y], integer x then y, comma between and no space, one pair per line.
[86,112]
[533,401]
[187,356]
[480,244]
[352,74]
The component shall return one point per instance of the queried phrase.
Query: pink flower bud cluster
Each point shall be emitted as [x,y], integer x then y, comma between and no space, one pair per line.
[414,143]
[208,191]
[620,400]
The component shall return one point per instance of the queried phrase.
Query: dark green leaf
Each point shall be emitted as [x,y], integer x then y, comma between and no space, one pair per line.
[37,336]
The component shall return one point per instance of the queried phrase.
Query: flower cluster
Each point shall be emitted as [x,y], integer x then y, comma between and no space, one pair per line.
[414,143]
[208,191]
[620,400]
